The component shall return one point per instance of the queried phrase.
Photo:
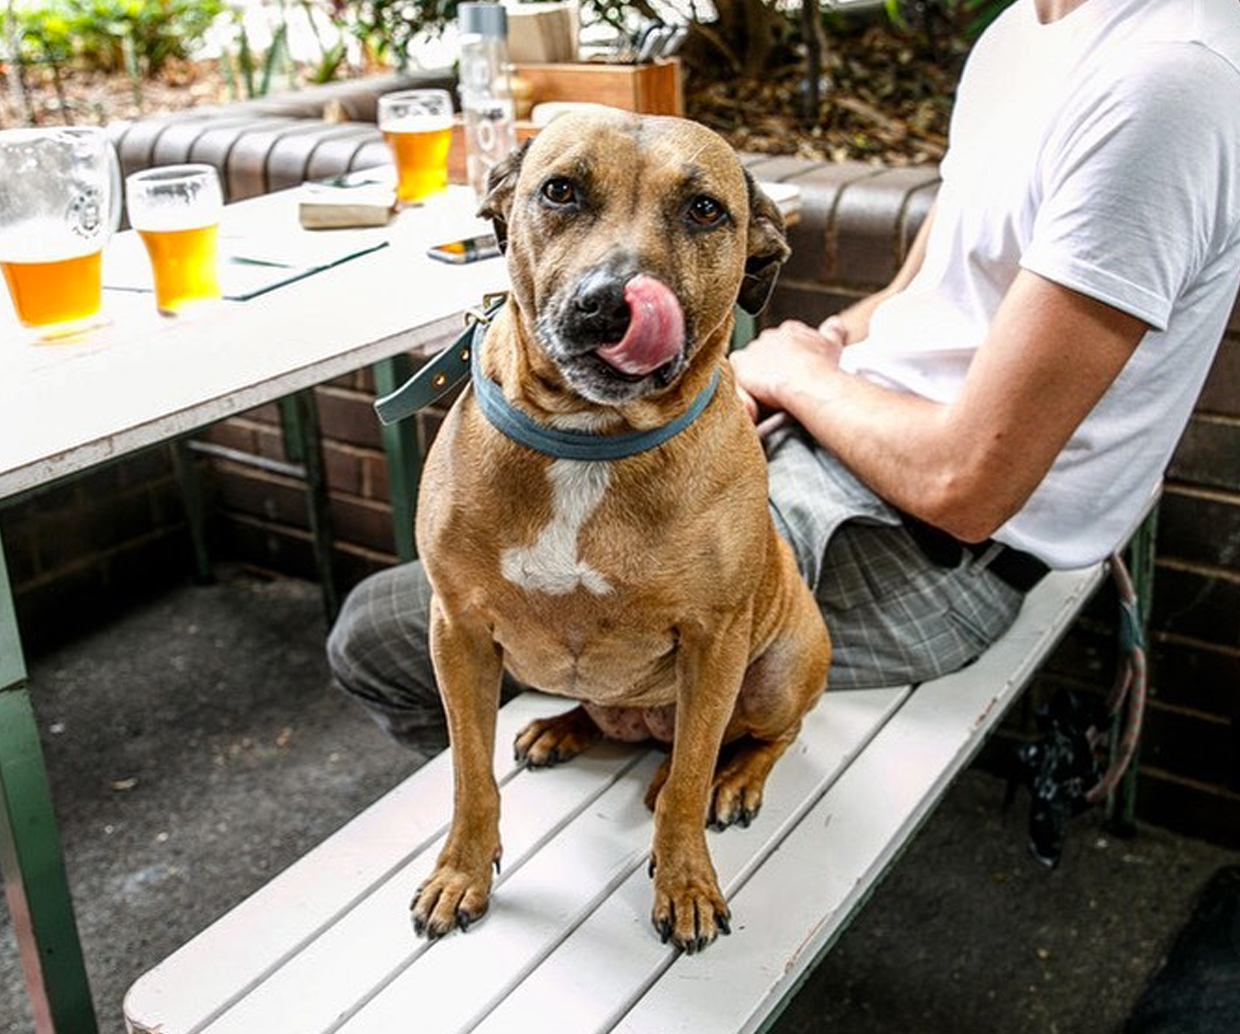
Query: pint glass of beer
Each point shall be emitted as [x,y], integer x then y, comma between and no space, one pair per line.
[176,211]
[60,201]
[417,125]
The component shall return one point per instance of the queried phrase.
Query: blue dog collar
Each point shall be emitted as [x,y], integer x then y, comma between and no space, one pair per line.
[462,358]
[566,444]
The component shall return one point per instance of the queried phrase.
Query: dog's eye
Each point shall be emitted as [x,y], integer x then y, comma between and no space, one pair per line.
[560,191]
[706,211]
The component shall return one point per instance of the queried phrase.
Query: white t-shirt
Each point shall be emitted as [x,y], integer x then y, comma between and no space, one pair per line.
[1102,152]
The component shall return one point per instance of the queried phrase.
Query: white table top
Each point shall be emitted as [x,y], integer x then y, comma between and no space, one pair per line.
[142,378]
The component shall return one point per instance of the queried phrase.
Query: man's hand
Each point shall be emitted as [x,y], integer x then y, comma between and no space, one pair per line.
[771,368]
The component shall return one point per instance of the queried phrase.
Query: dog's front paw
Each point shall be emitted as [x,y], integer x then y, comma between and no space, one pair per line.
[450,897]
[689,909]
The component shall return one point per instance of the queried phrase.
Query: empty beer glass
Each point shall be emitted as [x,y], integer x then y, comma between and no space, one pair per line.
[60,201]
[417,125]
[176,211]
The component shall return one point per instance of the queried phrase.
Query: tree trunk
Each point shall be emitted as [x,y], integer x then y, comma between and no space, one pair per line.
[748,29]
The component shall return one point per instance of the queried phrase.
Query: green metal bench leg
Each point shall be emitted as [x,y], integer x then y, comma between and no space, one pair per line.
[300,416]
[30,855]
[404,459]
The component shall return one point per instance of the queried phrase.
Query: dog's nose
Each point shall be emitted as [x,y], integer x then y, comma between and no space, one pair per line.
[599,312]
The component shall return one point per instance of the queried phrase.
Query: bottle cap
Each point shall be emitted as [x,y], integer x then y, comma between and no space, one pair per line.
[483,19]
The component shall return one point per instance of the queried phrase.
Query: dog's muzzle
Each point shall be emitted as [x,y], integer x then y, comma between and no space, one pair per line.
[617,337]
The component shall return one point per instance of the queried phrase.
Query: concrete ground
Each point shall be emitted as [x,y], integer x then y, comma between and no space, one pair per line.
[196,749]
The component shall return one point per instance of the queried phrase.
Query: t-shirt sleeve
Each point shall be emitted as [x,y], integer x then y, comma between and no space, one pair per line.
[1131,205]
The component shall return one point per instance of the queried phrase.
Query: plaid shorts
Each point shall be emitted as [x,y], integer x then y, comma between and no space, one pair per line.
[894,615]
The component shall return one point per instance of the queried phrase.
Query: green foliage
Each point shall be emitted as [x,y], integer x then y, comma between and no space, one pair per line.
[984,12]
[44,36]
[331,55]
[137,36]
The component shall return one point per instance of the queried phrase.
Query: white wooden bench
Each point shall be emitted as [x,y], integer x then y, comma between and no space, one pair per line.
[328,945]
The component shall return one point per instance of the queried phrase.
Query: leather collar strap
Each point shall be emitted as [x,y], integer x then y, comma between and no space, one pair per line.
[447,369]
[442,373]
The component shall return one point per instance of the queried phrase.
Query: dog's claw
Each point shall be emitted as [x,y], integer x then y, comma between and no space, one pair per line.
[462,921]
[725,926]
[665,930]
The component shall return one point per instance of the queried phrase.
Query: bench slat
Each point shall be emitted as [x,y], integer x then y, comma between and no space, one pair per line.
[461,978]
[608,961]
[839,852]
[235,952]
[374,941]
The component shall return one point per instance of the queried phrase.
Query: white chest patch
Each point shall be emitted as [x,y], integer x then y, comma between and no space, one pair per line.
[552,564]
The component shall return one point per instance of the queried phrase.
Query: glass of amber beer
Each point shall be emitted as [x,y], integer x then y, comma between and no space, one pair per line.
[60,201]
[417,125]
[176,211]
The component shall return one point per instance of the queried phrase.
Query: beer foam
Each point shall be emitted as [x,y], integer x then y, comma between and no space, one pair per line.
[417,124]
[167,220]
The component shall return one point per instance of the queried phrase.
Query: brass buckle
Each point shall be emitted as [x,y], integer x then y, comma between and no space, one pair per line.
[486,312]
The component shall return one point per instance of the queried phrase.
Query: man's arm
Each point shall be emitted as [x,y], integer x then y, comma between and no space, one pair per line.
[969,465]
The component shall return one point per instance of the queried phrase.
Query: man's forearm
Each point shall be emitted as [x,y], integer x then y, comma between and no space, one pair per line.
[897,443]
[968,465]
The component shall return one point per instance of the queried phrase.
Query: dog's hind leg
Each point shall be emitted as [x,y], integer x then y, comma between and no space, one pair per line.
[740,776]
[550,741]
[736,797]
[779,687]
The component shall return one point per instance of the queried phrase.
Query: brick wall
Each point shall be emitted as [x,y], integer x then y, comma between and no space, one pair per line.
[79,553]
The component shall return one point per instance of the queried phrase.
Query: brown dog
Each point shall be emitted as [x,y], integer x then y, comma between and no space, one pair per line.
[653,588]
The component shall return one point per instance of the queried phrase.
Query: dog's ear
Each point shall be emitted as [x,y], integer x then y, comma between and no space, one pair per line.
[501,185]
[768,250]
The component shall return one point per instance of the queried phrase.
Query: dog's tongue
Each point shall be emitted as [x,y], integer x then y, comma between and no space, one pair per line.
[656,329]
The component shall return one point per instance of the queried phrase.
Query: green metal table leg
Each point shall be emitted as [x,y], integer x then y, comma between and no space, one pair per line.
[404,460]
[300,415]
[35,882]
[189,483]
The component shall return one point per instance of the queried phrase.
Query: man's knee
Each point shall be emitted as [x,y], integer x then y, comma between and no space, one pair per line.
[345,652]
[378,645]
[378,654]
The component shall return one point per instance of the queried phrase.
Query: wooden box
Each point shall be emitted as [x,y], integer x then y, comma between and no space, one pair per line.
[654,88]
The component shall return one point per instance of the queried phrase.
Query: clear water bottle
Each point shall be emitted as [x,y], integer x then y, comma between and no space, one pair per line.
[486,92]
